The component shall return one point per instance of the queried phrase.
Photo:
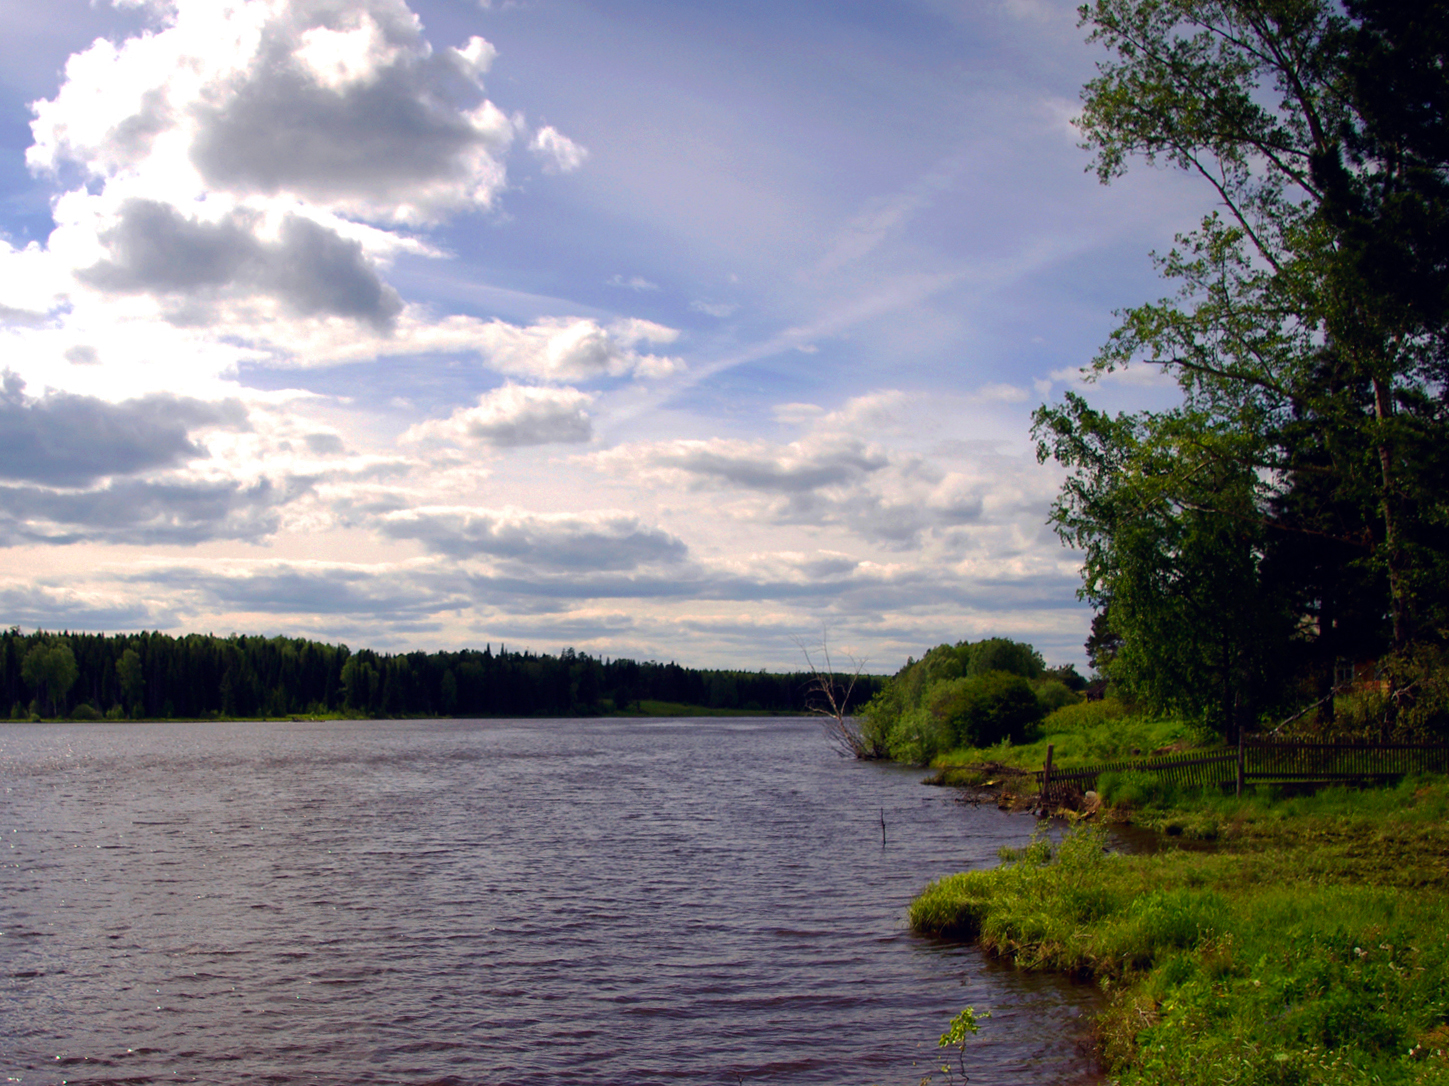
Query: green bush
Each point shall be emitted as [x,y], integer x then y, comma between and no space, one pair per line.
[985,710]
[971,693]
[85,711]
[917,737]
[1000,706]
[1083,715]
[1054,694]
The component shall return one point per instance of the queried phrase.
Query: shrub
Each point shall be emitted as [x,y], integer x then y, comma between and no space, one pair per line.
[1054,694]
[85,711]
[994,707]
[970,693]
[917,737]
[1083,715]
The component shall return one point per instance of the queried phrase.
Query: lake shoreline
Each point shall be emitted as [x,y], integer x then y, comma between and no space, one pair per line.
[1189,944]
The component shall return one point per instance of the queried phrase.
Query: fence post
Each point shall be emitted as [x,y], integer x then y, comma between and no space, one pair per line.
[1046,774]
[1240,763]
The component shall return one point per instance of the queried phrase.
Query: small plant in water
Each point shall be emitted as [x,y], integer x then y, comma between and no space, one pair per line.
[963,1026]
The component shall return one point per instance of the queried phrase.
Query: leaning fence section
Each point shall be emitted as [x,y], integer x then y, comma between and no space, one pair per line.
[1260,761]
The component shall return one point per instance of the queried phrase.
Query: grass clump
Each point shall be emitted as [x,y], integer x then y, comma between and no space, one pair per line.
[1312,946]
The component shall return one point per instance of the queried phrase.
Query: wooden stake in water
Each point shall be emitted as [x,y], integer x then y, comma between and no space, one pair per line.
[882,827]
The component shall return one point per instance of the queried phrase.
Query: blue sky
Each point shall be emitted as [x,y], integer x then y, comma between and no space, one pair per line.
[654,329]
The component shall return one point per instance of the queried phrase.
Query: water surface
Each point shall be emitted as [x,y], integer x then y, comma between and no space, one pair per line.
[600,901]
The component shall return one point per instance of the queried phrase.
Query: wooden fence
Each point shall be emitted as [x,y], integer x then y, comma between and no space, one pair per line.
[1258,760]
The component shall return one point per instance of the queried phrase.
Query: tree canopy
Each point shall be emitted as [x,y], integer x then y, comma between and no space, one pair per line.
[1294,507]
[972,693]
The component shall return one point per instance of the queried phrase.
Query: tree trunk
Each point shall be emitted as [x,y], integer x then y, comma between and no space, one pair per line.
[1383,410]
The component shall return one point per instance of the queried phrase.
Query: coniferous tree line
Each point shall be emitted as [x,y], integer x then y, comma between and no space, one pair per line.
[199,676]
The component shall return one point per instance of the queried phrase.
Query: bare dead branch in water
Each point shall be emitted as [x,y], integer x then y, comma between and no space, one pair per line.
[829,698]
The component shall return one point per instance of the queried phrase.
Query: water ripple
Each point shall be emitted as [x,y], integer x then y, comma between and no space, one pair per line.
[445,902]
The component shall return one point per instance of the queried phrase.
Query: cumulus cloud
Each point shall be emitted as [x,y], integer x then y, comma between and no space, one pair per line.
[141,512]
[250,170]
[557,152]
[475,58]
[570,542]
[309,268]
[41,606]
[324,444]
[398,595]
[66,440]
[576,349]
[512,416]
[830,476]
[885,496]
[795,468]
[345,105]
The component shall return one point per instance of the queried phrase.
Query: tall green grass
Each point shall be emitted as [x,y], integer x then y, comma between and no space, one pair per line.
[1316,952]
[1083,734]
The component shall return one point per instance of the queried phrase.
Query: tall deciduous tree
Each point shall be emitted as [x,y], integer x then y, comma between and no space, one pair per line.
[1307,334]
[51,669]
[132,678]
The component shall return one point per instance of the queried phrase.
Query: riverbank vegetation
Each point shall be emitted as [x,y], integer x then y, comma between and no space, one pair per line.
[1309,945]
[972,694]
[154,676]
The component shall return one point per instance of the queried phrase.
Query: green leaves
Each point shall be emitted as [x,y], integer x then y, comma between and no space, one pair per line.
[1231,541]
[51,669]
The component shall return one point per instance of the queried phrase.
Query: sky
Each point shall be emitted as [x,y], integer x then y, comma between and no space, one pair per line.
[650,328]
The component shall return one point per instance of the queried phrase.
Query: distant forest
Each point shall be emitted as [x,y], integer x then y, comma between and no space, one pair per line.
[199,676]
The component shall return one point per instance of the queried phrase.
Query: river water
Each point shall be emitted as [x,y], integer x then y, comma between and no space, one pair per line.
[459,902]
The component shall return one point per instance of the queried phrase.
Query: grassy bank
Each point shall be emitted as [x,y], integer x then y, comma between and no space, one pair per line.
[1310,945]
[1083,734]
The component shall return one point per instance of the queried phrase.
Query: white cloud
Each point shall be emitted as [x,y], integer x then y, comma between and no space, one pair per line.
[475,58]
[341,107]
[796,412]
[634,282]
[557,152]
[1000,393]
[1137,375]
[826,478]
[253,168]
[562,542]
[514,415]
[576,349]
[67,440]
